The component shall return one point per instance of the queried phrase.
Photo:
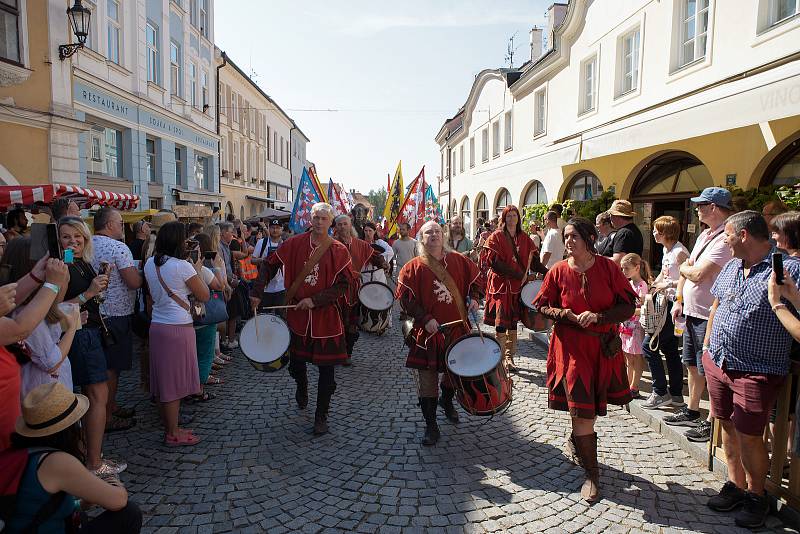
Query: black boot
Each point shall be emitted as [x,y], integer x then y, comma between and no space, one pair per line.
[428,405]
[324,395]
[446,402]
[301,394]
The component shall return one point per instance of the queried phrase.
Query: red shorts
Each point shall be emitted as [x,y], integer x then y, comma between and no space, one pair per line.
[744,398]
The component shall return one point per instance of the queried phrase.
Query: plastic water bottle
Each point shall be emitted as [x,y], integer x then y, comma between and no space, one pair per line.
[680,325]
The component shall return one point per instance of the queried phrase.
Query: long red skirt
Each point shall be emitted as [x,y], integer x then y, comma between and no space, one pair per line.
[319,351]
[502,309]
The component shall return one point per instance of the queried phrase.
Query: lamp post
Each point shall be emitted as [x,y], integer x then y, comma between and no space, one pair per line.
[79,18]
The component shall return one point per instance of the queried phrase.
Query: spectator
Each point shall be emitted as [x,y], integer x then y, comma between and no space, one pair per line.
[786,232]
[141,231]
[46,347]
[638,273]
[3,244]
[174,373]
[535,233]
[693,299]
[553,245]
[194,229]
[628,238]
[479,228]
[49,429]
[773,208]
[64,207]
[666,231]
[227,244]
[746,359]
[558,208]
[605,247]
[274,291]
[213,231]
[117,308]
[213,275]
[17,223]
[405,248]
[456,238]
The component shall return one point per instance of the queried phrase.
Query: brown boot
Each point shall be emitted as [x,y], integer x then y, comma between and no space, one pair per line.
[511,349]
[587,452]
[502,339]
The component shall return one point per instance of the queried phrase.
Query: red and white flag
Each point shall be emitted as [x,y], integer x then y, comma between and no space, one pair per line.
[413,209]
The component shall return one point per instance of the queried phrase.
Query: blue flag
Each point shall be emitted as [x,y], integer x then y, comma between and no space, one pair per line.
[305,198]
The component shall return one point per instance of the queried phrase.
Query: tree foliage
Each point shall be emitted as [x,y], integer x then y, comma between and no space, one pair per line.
[378,200]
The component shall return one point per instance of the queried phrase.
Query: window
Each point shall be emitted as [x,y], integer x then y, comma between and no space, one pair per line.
[508,129]
[193,12]
[223,152]
[461,158]
[193,85]
[694,29]
[204,89]
[281,151]
[152,53]
[588,85]
[629,62]
[201,171]
[155,203]
[150,148]
[540,112]
[503,200]
[481,209]
[236,157]
[585,186]
[9,36]
[275,146]
[269,143]
[453,167]
[113,29]
[91,39]
[204,17]
[485,145]
[466,215]
[105,156]
[496,138]
[535,194]
[179,174]
[175,68]
[780,10]
[471,152]
[234,108]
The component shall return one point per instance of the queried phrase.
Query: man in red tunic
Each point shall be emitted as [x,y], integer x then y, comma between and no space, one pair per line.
[427,299]
[361,252]
[317,331]
[510,255]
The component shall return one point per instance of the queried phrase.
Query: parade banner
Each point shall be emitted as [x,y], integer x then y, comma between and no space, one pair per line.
[312,174]
[335,199]
[307,195]
[413,210]
[394,200]
[433,211]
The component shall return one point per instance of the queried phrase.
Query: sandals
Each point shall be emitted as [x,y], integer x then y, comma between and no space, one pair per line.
[117,424]
[214,380]
[185,439]
[205,396]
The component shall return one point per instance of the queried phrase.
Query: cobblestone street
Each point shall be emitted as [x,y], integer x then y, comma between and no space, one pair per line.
[258,469]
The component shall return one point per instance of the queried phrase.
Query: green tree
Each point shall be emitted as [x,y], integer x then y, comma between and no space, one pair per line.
[378,200]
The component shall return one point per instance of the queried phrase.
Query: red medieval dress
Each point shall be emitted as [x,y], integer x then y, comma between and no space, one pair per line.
[506,276]
[361,253]
[425,297]
[10,391]
[318,333]
[581,380]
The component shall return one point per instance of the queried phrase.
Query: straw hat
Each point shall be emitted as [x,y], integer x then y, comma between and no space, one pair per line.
[49,409]
[161,218]
[621,208]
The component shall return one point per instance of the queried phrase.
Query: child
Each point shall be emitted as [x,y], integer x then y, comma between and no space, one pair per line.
[638,272]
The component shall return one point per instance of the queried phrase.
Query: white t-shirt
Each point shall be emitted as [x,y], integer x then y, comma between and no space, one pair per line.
[670,268]
[554,245]
[175,274]
[206,275]
[276,284]
[370,273]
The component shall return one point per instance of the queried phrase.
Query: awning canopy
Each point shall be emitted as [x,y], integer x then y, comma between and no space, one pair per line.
[198,196]
[85,198]
[272,213]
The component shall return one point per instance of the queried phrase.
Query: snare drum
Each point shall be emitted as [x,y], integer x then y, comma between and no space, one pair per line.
[264,340]
[376,299]
[482,384]
[532,319]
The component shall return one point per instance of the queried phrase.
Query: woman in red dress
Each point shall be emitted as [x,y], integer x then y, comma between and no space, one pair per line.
[586,296]
[510,254]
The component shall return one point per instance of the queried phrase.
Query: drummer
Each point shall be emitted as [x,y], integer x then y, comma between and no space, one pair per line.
[317,332]
[361,253]
[510,255]
[432,300]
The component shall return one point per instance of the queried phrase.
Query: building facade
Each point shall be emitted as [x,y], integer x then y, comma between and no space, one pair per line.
[299,161]
[256,170]
[610,106]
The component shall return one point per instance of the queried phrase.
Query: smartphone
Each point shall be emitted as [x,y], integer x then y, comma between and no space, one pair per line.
[5,274]
[105,267]
[777,267]
[194,255]
[210,255]
[44,240]
[68,256]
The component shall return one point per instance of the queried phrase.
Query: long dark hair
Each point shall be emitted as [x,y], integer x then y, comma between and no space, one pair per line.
[508,209]
[586,230]
[170,242]
[205,242]
[787,223]
[70,440]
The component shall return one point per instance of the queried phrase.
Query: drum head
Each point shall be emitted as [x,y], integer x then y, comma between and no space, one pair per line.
[472,356]
[376,296]
[264,338]
[529,292]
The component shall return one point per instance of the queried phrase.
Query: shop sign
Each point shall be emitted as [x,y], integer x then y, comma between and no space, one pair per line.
[192,212]
[730,179]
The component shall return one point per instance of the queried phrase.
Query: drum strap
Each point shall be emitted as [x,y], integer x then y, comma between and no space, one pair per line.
[441,273]
[516,252]
[307,267]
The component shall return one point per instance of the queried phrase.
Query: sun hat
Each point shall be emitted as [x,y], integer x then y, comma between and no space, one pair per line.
[621,208]
[715,195]
[48,409]
[161,218]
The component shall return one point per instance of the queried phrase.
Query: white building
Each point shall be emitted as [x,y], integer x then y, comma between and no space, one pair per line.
[654,100]
[298,147]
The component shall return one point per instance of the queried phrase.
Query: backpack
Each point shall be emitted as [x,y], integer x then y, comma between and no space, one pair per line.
[654,315]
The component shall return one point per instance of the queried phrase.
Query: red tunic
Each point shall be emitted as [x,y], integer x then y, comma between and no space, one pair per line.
[361,253]
[580,379]
[424,297]
[505,277]
[9,391]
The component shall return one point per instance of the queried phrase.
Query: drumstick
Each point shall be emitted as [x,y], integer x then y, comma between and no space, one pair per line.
[451,323]
[279,307]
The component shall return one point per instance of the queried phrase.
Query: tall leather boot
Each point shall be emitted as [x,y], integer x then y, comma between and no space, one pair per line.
[511,349]
[446,402]
[301,393]
[587,452]
[324,395]
[502,339]
[428,405]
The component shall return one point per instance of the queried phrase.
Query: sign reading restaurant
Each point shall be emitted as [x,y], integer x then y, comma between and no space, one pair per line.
[119,107]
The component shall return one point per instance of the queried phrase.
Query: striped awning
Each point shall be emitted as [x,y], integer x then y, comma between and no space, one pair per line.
[85,198]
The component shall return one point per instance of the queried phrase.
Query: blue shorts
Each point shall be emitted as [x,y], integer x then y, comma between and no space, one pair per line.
[87,358]
[693,334]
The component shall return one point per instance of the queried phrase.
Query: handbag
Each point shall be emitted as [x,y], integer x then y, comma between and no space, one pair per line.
[216,310]
[140,322]
[107,337]
[196,309]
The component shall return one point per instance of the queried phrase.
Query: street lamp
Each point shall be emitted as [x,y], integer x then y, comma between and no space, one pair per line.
[79,18]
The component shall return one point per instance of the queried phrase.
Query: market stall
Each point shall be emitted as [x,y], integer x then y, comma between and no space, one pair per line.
[27,195]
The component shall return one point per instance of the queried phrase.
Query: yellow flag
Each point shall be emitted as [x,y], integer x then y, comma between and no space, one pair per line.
[394,199]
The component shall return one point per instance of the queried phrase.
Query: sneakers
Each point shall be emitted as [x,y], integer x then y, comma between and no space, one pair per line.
[700,433]
[109,467]
[684,417]
[657,401]
[229,345]
[677,401]
[728,498]
[754,512]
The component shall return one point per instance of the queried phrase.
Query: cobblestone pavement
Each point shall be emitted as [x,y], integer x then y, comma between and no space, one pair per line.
[258,468]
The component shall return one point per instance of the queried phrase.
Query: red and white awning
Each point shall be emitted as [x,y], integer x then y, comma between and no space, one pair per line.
[85,198]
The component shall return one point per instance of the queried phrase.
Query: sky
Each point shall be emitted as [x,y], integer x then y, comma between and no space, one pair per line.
[391,73]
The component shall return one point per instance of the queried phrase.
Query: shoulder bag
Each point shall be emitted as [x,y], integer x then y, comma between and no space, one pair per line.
[196,309]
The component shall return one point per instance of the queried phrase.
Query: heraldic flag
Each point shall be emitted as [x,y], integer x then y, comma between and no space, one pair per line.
[413,210]
[312,174]
[307,195]
[394,200]
[335,199]
[433,211]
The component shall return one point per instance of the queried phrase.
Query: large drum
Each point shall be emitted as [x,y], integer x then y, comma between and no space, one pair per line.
[482,384]
[264,340]
[376,299]
[532,319]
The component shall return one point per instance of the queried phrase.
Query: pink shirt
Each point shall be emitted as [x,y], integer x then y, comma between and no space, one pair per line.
[697,298]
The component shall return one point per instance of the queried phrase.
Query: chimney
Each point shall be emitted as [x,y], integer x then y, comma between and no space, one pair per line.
[536,43]
[555,16]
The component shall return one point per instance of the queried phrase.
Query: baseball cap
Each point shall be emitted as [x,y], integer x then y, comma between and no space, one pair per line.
[275,222]
[715,195]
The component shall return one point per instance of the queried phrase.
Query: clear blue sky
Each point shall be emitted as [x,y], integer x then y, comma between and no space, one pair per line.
[395,71]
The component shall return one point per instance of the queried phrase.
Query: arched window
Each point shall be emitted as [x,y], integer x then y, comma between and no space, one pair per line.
[785,168]
[674,172]
[585,186]
[481,208]
[503,200]
[453,209]
[466,215]
[535,194]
